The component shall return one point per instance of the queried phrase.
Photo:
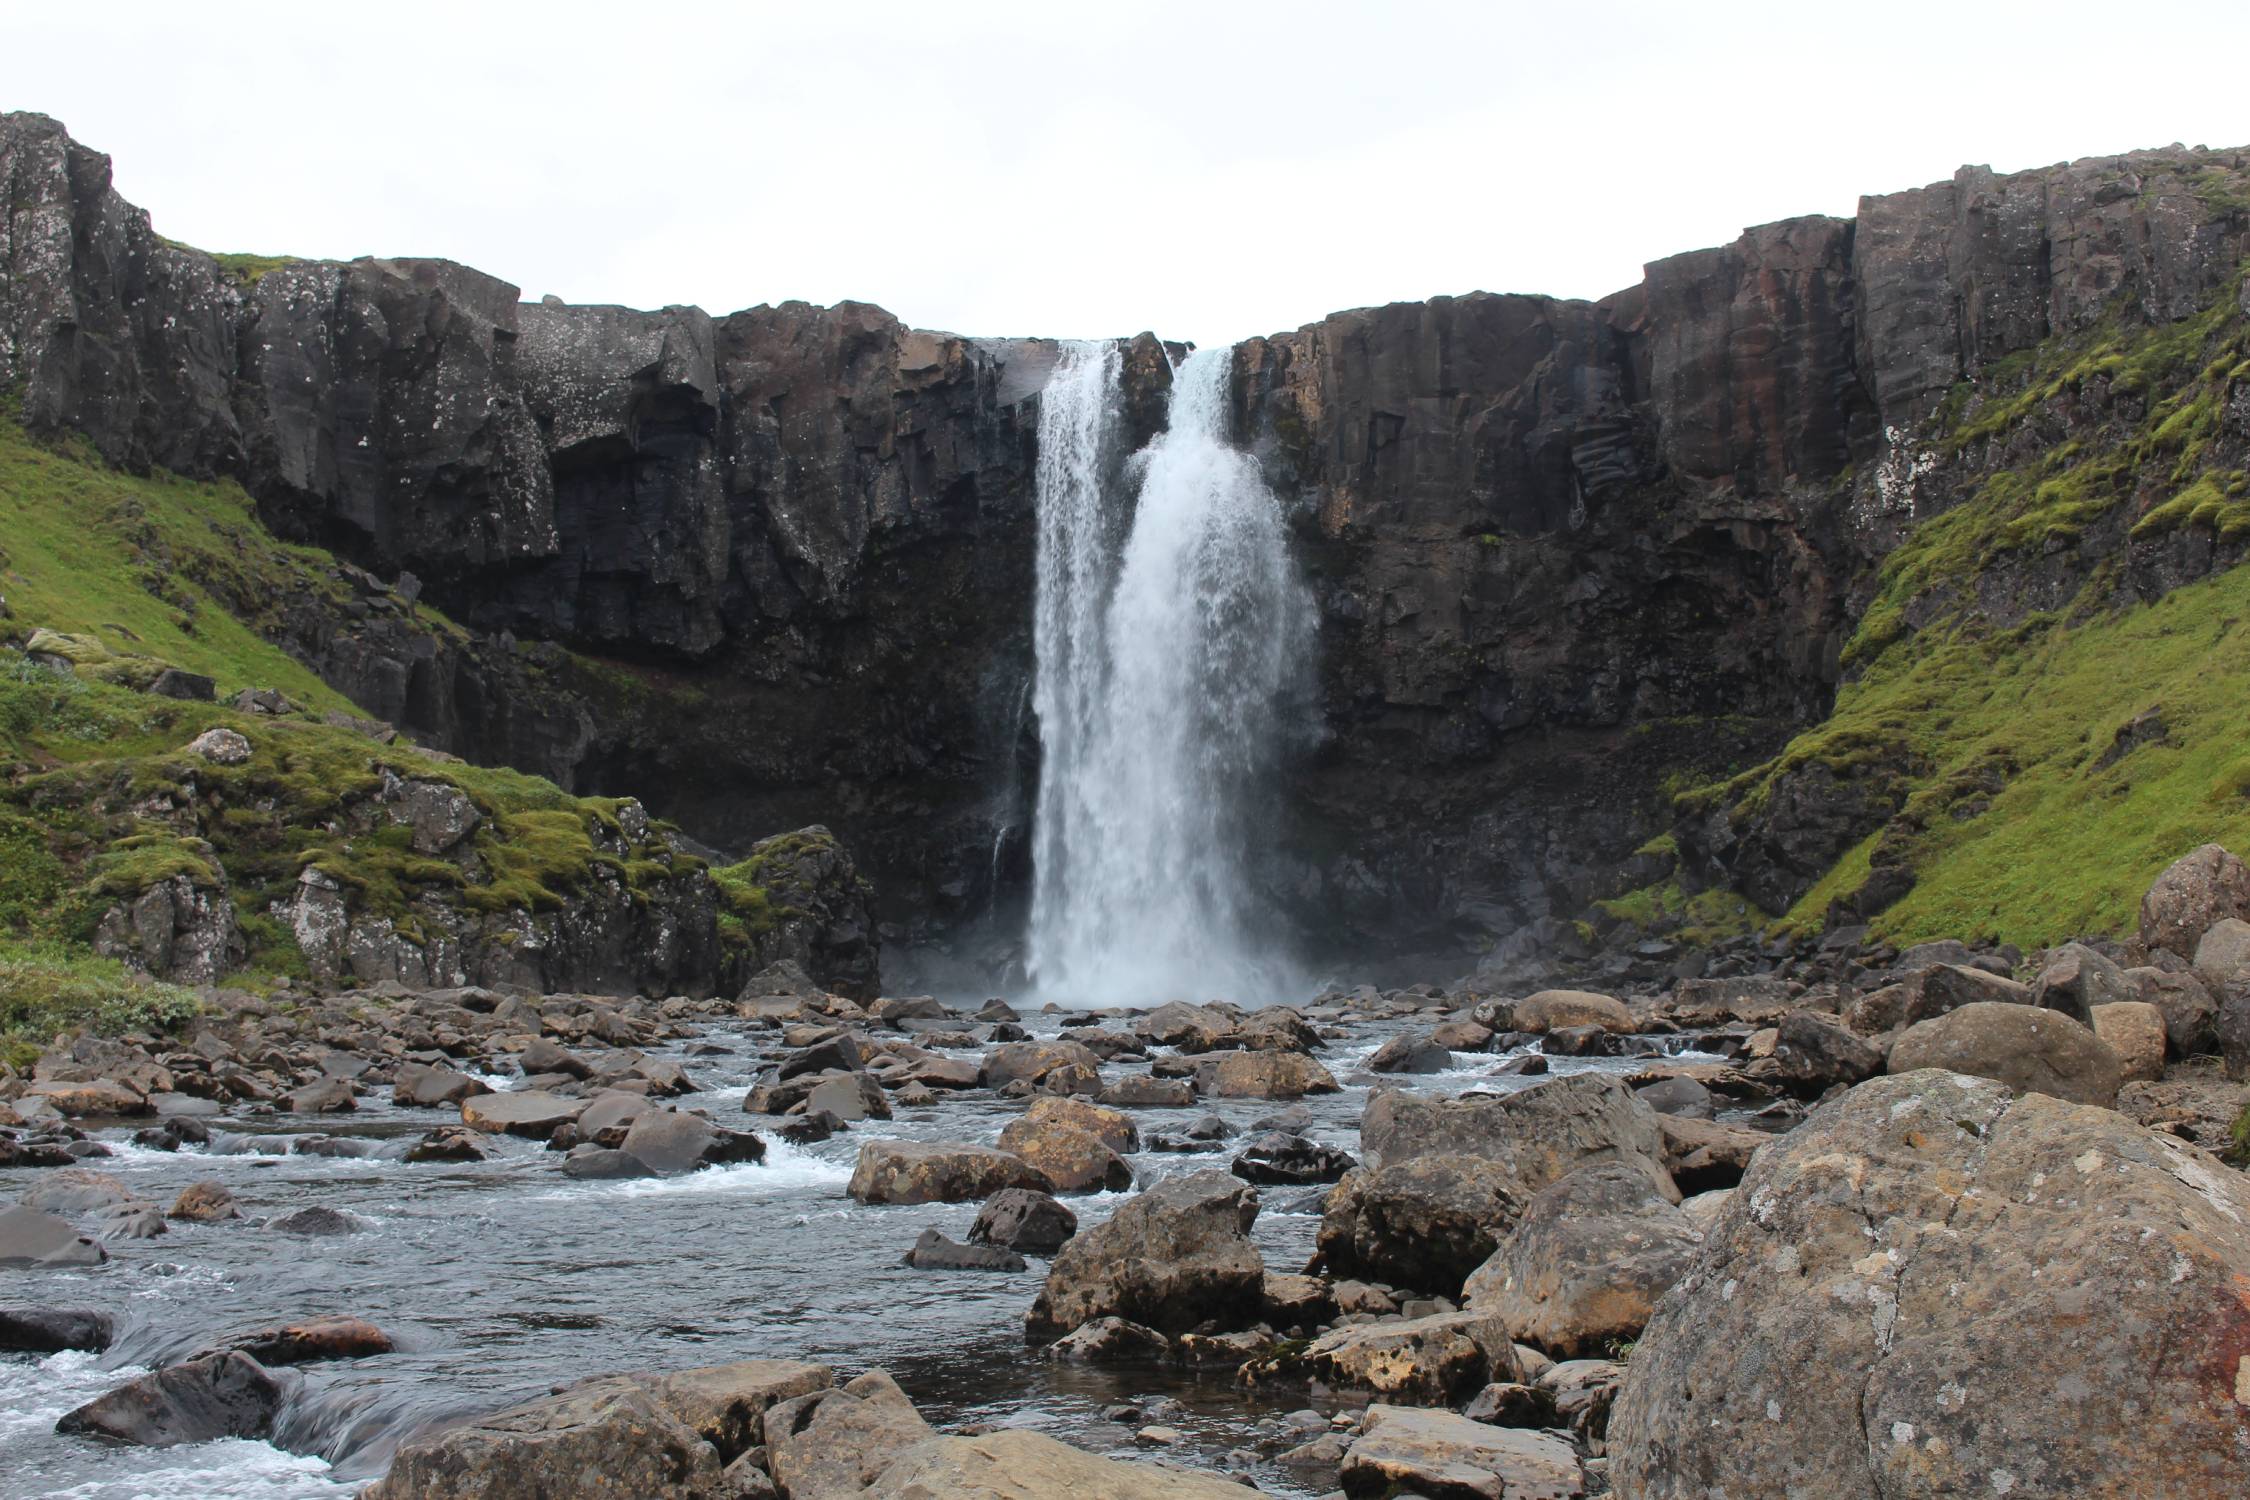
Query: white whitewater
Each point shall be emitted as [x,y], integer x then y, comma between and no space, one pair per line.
[1173,675]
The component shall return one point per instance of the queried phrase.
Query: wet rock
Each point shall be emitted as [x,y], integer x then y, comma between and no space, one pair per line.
[1434,1360]
[1110,1341]
[1140,1091]
[544,1055]
[1071,1160]
[935,1252]
[591,1163]
[1426,1222]
[30,1239]
[611,1436]
[532,1113]
[332,1337]
[2022,1046]
[173,1134]
[832,1444]
[1408,1053]
[1013,1462]
[670,1142]
[315,1222]
[1462,1036]
[1553,1010]
[425,1087]
[1021,1219]
[1677,1096]
[1888,1269]
[447,1143]
[2134,1030]
[848,1097]
[2198,889]
[1587,1262]
[130,1221]
[1543,1131]
[1295,1119]
[219,1396]
[50,1330]
[811,1127]
[1265,1075]
[1171,1258]
[938,1172]
[1290,1160]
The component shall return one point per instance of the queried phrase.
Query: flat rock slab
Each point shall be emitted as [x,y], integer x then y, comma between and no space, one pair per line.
[29,1239]
[534,1113]
[1404,1449]
[1019,1465]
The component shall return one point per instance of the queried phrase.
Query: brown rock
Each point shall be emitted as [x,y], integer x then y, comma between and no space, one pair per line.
[2135,1032]
[1071,1159]
[2198,889]
[1170,1258]
[205,1202]
[939,1172]
[2022,1046]
[1405,1450]
[1268,1075]
[1552,1010]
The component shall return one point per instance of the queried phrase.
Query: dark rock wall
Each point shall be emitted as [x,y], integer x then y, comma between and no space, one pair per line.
[1564,550]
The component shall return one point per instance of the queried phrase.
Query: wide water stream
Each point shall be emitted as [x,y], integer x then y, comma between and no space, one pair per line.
[503,1278]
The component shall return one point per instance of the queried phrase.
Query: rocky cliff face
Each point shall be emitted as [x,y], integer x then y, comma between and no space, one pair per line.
[776,567]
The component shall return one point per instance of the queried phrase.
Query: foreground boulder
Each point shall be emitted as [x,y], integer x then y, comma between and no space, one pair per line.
[1406,1451]
[1878,1312]
[1588,1262]
[939,1172]
[2022,1046]
[1171,1258]
[832,1444]
[217,1396]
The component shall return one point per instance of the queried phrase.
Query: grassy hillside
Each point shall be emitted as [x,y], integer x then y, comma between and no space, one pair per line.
[100,798]
[2027,811]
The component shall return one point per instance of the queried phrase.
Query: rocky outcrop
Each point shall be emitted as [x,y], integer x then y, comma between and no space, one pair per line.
[1169,1259]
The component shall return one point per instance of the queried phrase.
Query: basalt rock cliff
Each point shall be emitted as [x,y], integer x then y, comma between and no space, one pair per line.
[774,568]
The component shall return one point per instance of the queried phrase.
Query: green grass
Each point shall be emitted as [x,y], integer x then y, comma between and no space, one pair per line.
[47,989]
[2061,848]
[99,798]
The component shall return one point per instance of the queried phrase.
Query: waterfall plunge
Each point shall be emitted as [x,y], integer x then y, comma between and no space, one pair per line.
[1173,675]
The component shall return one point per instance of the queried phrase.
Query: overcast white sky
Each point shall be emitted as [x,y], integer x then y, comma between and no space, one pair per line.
[1209,170]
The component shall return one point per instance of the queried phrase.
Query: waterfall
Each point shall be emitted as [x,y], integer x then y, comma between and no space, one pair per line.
[1173,674]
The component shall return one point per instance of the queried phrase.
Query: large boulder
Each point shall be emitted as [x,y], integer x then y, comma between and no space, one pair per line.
[1072,1160]
[1032,1062]
[610,1436]
[2023,1046]
[1930,991]
[1542,1132]
[1426,1222]
[2190,1010]
[217,1396]
[2198,889]
[1556,1010]
[1812,1054]
[939,1172]
[670,1142]
[2222,962]
[1586,1264]
[424,1086]
[726,1405]
[1939,1287]
[1408,1451]
[1112,1127]
[1171,1258]
[1014,1464]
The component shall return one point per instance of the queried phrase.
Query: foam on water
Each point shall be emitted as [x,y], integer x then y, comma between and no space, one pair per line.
[786,1170]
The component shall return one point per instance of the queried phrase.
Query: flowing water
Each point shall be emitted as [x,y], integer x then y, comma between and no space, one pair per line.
[1174,678]
[503,1278]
